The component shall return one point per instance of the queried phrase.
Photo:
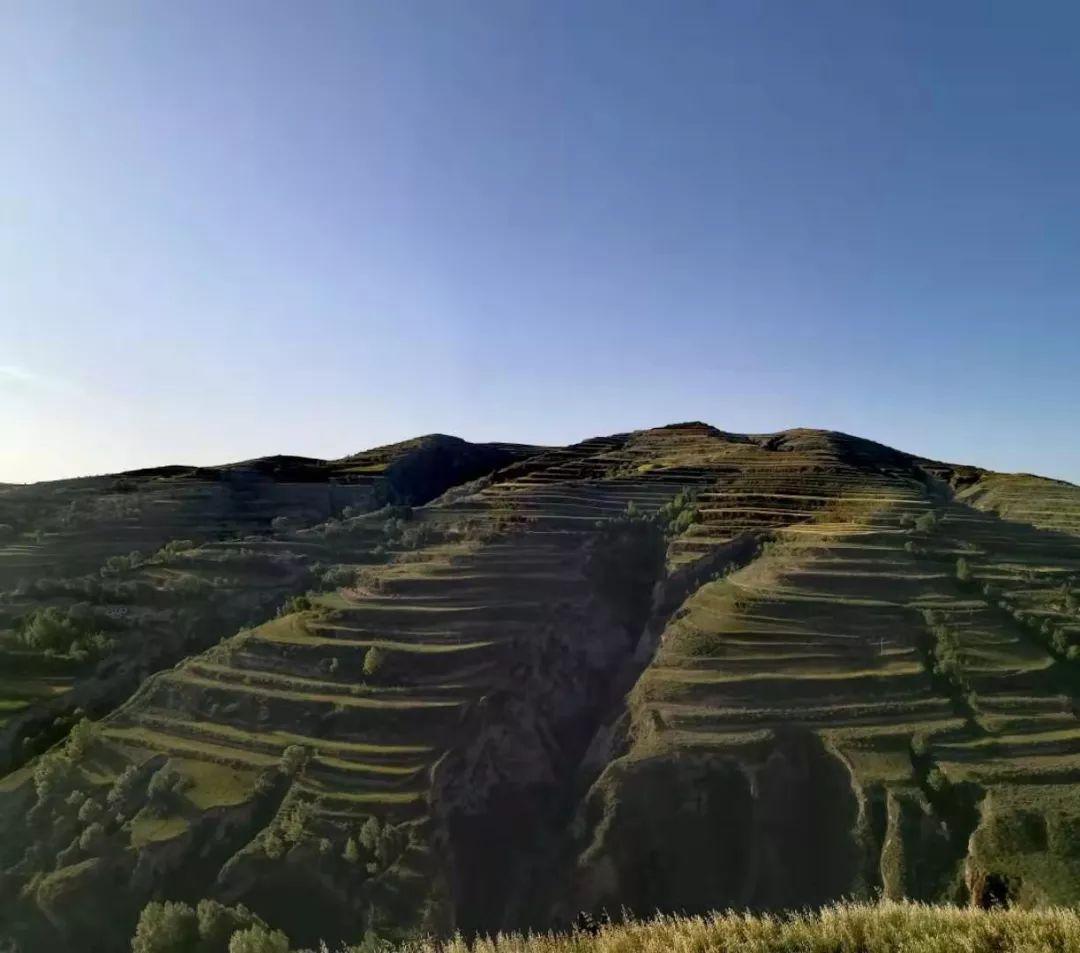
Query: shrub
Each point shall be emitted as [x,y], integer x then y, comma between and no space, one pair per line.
[115,565]
[936,780]
[963,571]
[273,846]
[294,759]
[295,604]
[369,834]
[352,852]
[927,523]
[337,576]
[375,659]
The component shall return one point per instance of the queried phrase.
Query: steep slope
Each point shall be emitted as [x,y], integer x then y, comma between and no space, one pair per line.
[105,579]
[670,669]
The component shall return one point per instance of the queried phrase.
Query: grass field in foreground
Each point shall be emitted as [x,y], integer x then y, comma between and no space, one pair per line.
[887,927]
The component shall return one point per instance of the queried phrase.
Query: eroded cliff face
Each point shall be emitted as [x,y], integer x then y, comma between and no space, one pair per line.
[775,828]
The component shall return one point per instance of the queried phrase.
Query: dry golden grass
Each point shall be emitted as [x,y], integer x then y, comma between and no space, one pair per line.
[886,927]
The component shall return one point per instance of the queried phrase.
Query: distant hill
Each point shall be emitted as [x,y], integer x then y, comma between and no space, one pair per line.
[444,686]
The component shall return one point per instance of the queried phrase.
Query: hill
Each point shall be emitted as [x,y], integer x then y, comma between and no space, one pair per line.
[441,686]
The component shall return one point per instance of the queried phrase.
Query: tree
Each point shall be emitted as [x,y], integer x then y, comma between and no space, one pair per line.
[167,927]
[927,522]
[374,660]
[352,852]
[369,834]
[93,838]
[165,787]
[294,759]
[90,810]
[122,793]
[963,571]
[258,939]
[52,775]
[217,923]
[81,736]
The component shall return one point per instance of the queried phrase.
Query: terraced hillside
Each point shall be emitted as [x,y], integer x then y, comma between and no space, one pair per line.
[104,580]
[672,669]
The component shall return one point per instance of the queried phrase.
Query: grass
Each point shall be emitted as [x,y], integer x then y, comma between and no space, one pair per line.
[153,830]
[887,927]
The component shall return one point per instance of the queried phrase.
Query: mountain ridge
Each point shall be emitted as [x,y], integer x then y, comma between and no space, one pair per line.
[485,687]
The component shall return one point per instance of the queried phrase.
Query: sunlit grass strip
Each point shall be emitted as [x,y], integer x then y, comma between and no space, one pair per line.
[887,927]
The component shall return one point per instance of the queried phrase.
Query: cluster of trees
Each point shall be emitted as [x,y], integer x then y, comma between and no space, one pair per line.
[376,845]
[209,927]
[945,657]
[680,513]
[71,820]
[117,565]
[54,632]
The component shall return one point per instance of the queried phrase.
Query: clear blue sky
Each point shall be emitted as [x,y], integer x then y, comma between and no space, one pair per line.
[237,228]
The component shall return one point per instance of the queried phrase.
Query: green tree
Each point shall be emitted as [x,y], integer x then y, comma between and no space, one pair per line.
[352,852]
[81,736]
[52,775]
[374,660]
[217,923]
[963,571]
[92,840]
[927,522]
[166,927]
[258,939]
[369,834]
[122,794]
[294,759]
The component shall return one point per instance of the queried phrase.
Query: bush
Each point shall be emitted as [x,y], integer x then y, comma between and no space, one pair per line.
[337,576]
[352,852]
[375,661]
[295,604]
[927,523]
[963,571]
[294,759]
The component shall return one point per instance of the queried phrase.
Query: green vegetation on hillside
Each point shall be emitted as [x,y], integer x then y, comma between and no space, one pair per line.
[673,670]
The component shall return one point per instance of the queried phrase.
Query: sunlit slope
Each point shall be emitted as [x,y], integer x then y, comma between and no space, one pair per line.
[1049,504]
[885,700]
[104,580]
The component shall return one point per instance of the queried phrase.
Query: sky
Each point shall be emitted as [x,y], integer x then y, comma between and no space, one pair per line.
[232,228]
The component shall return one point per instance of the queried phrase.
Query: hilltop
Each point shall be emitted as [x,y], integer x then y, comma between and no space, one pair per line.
[442,686]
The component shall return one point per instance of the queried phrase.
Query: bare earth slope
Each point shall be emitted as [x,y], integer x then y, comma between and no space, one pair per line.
[675,669]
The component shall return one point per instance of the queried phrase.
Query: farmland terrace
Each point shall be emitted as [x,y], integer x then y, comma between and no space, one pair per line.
[674,669]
